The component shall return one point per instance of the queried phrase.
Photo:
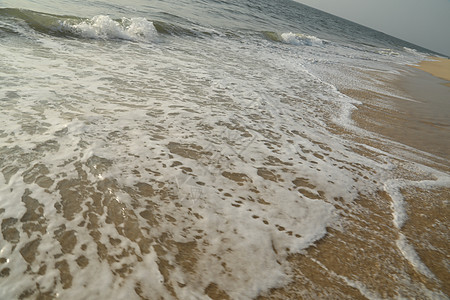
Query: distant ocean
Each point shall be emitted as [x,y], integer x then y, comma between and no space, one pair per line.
[183,149]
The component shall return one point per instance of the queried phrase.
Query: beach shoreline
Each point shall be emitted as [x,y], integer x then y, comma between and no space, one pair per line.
[177,151]
[436,66]
[423,123]
[370,246]
[415,115]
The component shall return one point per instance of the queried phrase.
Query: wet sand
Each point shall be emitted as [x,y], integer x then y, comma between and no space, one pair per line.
[423,123]
[365,248]
[359,258]
[419,117]
[439,67]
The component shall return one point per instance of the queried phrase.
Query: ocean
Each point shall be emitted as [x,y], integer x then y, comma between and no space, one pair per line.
[205,150]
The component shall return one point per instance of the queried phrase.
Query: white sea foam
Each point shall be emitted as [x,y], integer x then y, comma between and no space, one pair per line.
[185,153]
[103,27]
[393,188]
[108,128]
[416,53]
[389,52]
[299,39]
[398,209]
[410,254]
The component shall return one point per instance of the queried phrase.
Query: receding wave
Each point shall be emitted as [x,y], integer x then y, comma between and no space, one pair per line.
[297,39]
[98,27]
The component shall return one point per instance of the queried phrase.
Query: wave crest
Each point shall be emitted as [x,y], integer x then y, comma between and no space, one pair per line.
[98,27]
[103,27]
[299,39]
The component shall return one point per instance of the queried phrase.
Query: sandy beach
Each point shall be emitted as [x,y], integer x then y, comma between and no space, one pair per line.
[439,67]
[423,123]
[415,114]
[218,150]
[367,247]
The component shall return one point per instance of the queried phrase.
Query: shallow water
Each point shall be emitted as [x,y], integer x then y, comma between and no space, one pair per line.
[187,150]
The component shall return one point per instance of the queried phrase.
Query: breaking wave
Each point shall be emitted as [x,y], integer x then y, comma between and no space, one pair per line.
[103,27]
[99,27]
[297,39]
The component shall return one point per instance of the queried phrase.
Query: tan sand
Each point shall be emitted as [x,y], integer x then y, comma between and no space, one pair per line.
[439,67]
[364,249]
[423,123]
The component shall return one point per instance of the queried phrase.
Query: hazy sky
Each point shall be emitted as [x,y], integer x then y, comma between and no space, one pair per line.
[422,22]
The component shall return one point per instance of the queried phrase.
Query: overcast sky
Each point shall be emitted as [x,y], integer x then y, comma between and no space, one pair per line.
[422,22]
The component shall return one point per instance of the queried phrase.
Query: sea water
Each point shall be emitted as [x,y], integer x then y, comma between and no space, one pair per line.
[154,149]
